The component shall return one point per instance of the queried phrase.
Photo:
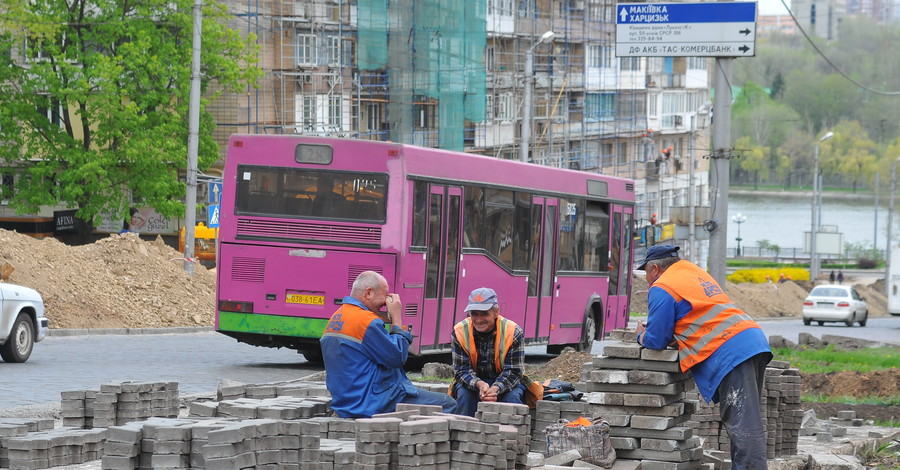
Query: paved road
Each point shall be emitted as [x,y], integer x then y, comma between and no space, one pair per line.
[199,361]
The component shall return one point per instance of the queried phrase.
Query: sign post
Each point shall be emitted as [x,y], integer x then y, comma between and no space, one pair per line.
[719,29]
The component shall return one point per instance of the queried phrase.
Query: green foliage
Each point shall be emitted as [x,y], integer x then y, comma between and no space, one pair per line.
[760,275]
[817,98]
[101,116]
[766,245]
[816,361]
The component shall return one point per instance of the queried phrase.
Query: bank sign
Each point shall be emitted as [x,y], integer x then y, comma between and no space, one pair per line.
[717,29]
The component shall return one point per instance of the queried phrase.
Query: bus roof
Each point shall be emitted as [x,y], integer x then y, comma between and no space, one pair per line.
[446,165]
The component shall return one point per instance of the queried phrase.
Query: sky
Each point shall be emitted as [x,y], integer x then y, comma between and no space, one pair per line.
[772,7]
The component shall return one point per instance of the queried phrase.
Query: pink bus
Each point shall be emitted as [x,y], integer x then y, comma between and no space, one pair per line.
[301,217]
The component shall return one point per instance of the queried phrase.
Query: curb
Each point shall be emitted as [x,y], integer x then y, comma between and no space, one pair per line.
[129,331]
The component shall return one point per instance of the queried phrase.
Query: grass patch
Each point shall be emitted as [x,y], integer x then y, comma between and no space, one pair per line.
[818,361]
[880,401]
[762,263]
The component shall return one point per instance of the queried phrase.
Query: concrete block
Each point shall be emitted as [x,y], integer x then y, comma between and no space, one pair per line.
[563,458]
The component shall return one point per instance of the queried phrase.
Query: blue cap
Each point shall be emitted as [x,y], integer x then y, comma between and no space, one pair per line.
[482,299]
[659,252]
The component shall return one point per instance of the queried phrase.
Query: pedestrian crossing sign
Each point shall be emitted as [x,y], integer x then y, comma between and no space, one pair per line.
[212,218]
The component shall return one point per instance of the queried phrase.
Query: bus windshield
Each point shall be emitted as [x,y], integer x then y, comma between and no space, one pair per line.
[302,193]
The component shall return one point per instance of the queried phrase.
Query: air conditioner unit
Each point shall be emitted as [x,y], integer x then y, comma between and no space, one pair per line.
[678,120]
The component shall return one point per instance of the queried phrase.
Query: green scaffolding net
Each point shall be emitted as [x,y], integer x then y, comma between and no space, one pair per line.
[431,52]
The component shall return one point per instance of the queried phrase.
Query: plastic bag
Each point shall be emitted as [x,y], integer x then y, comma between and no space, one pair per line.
[589,437]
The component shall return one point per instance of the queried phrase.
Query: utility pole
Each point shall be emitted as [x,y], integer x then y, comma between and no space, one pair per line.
[718,237]
[890,226]
[190,203]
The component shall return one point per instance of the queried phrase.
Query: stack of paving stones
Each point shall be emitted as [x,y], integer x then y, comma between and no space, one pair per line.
[642,394]
[213,444]
[17,427]
[285,407]
[119,403]
[52,448]
[423,442]
[515,428]
[377,442]
[781,412]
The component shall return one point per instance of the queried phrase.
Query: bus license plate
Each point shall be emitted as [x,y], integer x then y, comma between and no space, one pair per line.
[306,299]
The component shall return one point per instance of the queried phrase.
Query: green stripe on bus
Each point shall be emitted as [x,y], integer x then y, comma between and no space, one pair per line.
[272,324]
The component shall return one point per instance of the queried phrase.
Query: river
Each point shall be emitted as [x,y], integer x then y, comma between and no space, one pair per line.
[783,219]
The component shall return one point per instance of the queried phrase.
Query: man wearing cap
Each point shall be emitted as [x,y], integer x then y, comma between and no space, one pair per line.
[724,349]
[489,357]
[364,361]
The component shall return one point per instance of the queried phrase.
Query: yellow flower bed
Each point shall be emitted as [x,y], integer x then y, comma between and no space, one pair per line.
[760,275]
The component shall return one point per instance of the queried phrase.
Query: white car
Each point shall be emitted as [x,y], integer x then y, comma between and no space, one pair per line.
[22,321]
[838,303]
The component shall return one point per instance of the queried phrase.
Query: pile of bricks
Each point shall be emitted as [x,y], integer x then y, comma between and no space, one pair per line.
[782,416]
[642,395]
[214,444]
[119,403]
[52,448]
[284,407]
[17,427]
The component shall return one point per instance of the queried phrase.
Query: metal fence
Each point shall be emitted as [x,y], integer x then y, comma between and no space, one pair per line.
[798,255]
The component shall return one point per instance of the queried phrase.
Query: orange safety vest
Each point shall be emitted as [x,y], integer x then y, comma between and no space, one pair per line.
[713,318]
[504,335]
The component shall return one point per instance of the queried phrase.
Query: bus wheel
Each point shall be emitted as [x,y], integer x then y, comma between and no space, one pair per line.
[313,355]
[589,332]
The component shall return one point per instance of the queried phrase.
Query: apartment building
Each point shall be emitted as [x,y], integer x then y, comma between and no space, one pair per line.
[458,75]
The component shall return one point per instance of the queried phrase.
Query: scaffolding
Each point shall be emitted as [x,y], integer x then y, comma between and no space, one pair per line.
[451,74]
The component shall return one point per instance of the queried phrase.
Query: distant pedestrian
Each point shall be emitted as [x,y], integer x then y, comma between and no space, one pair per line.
[781,278]
[831,277]
[840,277]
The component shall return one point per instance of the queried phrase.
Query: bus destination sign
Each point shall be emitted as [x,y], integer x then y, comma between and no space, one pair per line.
[718,29]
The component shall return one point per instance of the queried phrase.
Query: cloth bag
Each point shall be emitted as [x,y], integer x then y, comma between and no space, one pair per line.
[589,437]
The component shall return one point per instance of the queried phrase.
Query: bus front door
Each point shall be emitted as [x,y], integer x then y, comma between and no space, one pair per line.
[541,256]
[442,266]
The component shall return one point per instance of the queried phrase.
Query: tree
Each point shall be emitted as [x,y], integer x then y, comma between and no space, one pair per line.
[96,99]
[852,154]
[752,158]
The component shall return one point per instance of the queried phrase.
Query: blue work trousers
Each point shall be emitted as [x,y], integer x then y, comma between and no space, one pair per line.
[446,402]
[740,409]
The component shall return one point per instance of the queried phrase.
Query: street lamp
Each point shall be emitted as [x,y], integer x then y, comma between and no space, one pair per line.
[739,219]
[890,226]
[814,230]
[529,85]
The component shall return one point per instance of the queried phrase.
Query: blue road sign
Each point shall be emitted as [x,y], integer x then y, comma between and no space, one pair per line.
[716,29]
[212,216]
[214,192]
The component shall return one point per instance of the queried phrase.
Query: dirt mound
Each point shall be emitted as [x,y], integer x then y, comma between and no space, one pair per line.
[879,383]
[118,282]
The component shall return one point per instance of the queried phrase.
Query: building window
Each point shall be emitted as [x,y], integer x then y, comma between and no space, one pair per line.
[335,112]
[696,63]
[334,51]
[307,49]
[599,107]
[504,107]
[594,56]
[622,153]
[630,63]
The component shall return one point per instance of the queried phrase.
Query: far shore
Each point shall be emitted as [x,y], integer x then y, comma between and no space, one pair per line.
[859,196]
